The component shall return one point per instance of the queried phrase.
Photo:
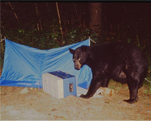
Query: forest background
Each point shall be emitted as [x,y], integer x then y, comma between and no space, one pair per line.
[47,25]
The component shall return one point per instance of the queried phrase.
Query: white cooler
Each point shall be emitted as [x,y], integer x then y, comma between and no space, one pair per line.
[59,84]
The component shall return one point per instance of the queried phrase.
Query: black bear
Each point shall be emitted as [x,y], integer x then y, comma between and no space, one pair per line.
[119,61]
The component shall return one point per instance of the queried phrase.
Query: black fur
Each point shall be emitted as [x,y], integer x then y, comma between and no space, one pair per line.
[119,61]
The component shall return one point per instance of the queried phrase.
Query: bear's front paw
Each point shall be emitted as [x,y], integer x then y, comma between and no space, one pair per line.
[84,96]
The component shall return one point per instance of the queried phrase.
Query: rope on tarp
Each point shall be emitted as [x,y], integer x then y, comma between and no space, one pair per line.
[148,80]
[3,39]
[92,40]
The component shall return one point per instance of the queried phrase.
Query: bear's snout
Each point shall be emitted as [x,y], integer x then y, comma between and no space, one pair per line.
[77,65]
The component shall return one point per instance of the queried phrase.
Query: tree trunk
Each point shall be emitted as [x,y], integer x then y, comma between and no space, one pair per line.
[39,24]
[59,18]
[13,11]
[95,17]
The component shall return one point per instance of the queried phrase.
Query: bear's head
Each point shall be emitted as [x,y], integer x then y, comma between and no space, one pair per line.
[80,56]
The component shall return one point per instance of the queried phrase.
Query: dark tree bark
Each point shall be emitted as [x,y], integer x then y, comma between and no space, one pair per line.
[39,24]
[59,18]
[13,11]
[95,17]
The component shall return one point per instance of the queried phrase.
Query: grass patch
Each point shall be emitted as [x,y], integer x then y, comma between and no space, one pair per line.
[116,85]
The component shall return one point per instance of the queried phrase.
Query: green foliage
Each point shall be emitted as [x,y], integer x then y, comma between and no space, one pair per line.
[76,35]
[47,38]
[50,37]
[149,73]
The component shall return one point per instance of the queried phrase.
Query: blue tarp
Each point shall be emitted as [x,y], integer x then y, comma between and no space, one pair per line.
[24,65]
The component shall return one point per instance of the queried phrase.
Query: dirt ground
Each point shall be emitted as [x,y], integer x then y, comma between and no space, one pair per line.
[38,105]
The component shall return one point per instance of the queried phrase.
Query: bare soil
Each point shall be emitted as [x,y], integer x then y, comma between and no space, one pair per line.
[38,105]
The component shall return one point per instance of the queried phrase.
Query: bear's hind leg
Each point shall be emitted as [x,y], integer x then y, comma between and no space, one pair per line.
[133,85]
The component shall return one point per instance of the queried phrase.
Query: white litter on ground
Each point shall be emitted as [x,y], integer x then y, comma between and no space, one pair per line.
[23,91]
[81,91]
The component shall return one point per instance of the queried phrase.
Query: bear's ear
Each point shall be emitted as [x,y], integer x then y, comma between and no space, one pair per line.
[83,48]
[71,51]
